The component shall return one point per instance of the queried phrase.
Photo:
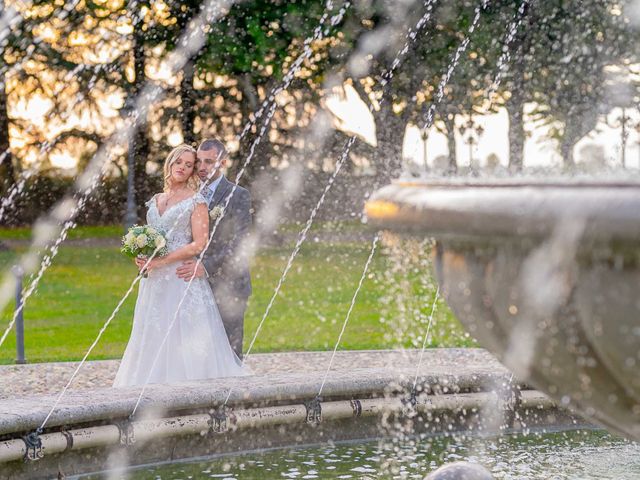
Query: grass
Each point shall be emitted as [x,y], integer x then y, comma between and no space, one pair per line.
[80,290]
[98,231]
[116,231]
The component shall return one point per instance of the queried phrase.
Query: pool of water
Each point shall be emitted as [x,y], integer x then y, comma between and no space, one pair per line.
[576,455]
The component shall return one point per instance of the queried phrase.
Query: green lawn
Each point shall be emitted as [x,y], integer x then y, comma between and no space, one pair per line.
[97,231]
[84,284]
[115,231]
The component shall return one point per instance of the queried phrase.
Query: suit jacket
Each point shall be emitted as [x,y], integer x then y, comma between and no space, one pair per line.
[226,264]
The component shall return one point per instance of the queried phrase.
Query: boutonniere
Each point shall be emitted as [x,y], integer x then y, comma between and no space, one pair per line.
[216,212]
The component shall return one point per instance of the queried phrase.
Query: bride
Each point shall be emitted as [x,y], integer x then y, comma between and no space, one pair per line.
[196,346]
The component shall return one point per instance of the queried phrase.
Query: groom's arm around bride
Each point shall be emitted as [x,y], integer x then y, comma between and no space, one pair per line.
[225,264]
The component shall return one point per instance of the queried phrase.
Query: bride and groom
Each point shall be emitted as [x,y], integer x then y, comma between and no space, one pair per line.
[186,330]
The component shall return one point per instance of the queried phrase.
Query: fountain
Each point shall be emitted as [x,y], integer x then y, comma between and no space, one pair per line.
[534,269]
[543,274]
[69,435]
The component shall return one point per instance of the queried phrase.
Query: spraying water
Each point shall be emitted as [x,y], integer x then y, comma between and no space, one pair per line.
[47,227]
[268,106]
[263,130]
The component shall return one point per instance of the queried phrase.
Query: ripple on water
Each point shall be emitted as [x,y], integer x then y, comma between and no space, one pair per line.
[583,455]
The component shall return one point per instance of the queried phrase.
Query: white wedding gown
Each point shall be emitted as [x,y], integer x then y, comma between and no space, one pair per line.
[197,346]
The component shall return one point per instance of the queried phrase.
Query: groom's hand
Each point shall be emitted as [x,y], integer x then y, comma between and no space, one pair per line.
[185,271]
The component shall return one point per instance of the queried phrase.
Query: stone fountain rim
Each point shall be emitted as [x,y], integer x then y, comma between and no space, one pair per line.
[520,181]
[506,209]
[21,414]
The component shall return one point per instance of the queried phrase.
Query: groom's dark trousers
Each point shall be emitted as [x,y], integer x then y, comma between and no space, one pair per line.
[232,310]
[225,260]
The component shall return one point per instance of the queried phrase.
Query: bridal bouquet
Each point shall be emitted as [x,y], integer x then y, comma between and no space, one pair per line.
[143,241]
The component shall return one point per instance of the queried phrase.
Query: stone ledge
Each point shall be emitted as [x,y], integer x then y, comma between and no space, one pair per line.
[22,414]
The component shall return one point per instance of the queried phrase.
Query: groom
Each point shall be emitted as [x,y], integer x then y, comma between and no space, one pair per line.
[224,264]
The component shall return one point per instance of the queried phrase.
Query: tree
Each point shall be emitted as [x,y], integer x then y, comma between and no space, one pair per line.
[518,89]
[249,49]
[182,13]
[7,173]
[465,93]
[573,44]
[72,71]
[135,87]
[40,57]
[369,68]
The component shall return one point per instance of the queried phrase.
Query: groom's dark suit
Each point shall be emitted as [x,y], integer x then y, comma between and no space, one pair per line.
[226,264]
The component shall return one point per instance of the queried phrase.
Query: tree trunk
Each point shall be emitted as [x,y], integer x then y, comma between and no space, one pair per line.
[262,153]
[515,105]
[184,12]
[449,121]
[515,110]
[566,150]
[141,139]
[250,99]
[390,133]
[187,97]
[387,156]
[7,173]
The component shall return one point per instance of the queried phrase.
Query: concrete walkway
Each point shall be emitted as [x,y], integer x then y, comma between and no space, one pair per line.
[50,378]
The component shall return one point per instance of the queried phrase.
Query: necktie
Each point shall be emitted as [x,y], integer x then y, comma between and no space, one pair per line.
[208,195]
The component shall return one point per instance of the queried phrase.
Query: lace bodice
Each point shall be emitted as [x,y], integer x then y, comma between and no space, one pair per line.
[175,222]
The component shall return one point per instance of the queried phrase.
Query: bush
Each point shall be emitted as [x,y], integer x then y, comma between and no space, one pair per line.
[107,204]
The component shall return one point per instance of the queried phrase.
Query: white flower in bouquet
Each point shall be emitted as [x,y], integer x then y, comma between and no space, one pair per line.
[216,212]
[129,240]
[141,240]
[159,242]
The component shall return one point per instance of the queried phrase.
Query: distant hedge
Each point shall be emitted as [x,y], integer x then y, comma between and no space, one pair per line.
[107,204]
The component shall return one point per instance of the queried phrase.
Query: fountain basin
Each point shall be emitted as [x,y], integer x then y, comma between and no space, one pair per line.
[91,431]
[543,274]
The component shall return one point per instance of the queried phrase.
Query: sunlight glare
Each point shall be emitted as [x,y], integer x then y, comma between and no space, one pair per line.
[63,160]
[351,115]
[175,138]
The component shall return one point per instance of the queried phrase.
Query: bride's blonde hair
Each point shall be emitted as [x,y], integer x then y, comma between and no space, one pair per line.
[194,181]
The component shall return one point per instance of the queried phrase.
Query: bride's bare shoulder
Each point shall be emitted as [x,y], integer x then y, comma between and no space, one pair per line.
[153,199]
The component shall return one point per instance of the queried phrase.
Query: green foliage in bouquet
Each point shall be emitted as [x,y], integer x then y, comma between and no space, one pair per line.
[143,241]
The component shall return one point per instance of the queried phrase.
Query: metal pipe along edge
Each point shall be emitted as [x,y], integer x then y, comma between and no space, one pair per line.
[200,424]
